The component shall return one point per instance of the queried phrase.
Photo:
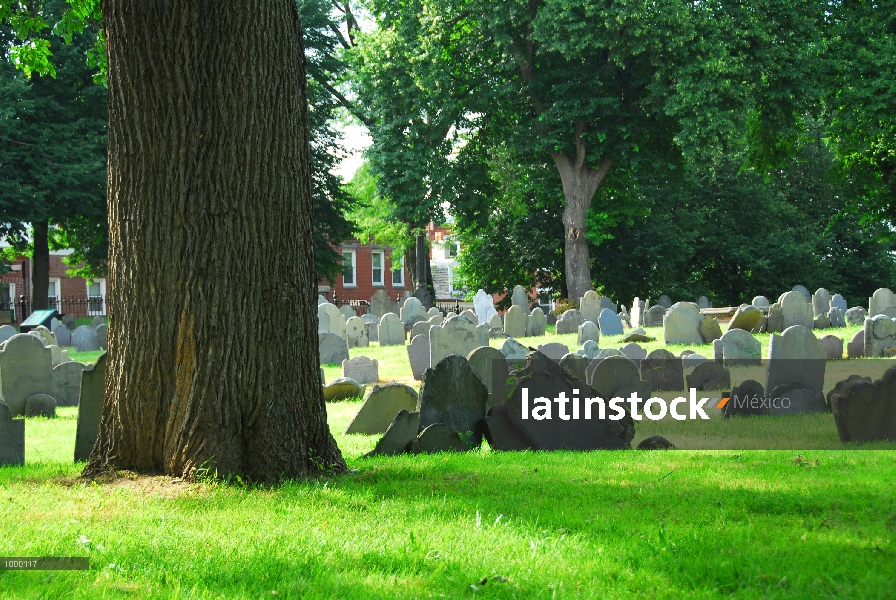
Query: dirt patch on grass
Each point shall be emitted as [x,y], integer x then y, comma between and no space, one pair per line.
[149,485]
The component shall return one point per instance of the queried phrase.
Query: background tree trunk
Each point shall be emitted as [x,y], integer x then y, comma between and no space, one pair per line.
[40,272]
[213,357]
[580,182]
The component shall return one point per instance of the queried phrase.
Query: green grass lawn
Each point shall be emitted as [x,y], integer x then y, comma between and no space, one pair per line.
[663,524]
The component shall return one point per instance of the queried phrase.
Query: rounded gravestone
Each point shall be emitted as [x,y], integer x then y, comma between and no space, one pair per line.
[342,388]
[40,405]
[709,375]
[381,405]
[438,437]
[451,393]
[333,349]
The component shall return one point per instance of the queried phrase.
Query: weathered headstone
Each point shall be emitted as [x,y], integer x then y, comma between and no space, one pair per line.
[69,321]
[412,308]
[616,376]
[796,310]
[838,301]
[67,382]
[323,322]
[457,335]
[609,323]
[856,347]
[637,313]
[833,345]
[520,298]
[796,371]
[691,360]
[703,302]
[470,316]
[362,369]
[40,405]
[490,366]
[681,324]
[390,330]
[821,322]
[760,302]
[575,364]
[654,316]
[515,322]
[880,336]
[439,437]
[102,331]
[372,331]
[380,304]
[356,333]
[435,312]
[536,324]
[401,432]
[90,408]
[745,318]
[513,350]
[710,329]
[97,321]
[502,434]
[569,322]
[804,291]
[320,299]
[836,318]
[746,400]
[708,376]
[6,332]
[821,302]
[26,369]
[856,315]
[865,411]
[775,320]
[12,438]
[590,306]
[638,335]
[342,388]
[333,349]
[664,301]
[85,340]
[554,350]
[452,394]
[439,319]
[336,320]
[634,352]
[588,331]
[418,355]
[484,306]
[420,328]
[737,348]
[381,406]
[881,302]
[663,371]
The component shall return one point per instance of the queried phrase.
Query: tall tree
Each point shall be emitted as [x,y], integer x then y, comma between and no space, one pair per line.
[210,221]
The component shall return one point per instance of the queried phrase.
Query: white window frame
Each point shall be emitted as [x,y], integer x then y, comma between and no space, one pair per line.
[451,244]
[382,280]
[400,271]
[94,310]
[354,266]
[58,282]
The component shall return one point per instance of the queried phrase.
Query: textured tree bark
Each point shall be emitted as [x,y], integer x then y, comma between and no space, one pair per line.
[213,357]
[580,182]
[40,272]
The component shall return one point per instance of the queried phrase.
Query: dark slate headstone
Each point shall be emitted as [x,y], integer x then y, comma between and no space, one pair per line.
[575,364]
[856,347]
[865,411]
[90,408]
[500,432]
[84,339]
[439,437]
[638,335]
[12,438]
[833,345]
[452,394]
[543,378]
[380,406]
[746,400]
[63,336]
[654,316]
[708,376]
[40,405]
[609,323]
[656,442]
[800,399]
[569,322]
[401,432]
[663,370]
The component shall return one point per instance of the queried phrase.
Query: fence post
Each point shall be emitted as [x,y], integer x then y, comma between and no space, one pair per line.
[21,314]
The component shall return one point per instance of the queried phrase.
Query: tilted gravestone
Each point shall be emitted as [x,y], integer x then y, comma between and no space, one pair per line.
[796,371]
[569,322]
[356,333]
[663,371]
[821,302]
[67,382]
[484,306]
[710,329]
[40,405]
[84,338]
[362,369]
[520,298]
[537,323]
[452,394]
[880,336]
[439,437]
[737,348]
[333,349]
[882,302]
[588,331]
[515,322]
[590,306]
[575,364]
[865,411]
[796,310]
[342,388]
[12,438]
[681,324]
[502,434]
[90,408]
[401,432]
[745,318]
[418,355]
[457,335]
[856,347]
[391,330]
[609,323]
[26,369]
[775,320]
[513,350]
[381,405]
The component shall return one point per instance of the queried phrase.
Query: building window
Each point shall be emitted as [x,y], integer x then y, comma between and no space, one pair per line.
[377,261]
[53,290]
[398,272]
[453,249]
[96,297]
[348,269]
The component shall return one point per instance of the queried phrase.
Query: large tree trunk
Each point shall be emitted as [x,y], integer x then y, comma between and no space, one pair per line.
[40,272]
[213,356]
[580,182]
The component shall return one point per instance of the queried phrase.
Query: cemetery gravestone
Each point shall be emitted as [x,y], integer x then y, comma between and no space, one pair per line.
[323,322]
[836,318]
[637,312]
[101,335]
[90,408]
[634,352]
[710,329]
[470,316]
[588,331]
[796,310]
[665,301]
[737,348]
[638,335]
[821,302]
[336,322]
[590,306]
[760,302]
[746,400]
[26,369]
[412,308]
[520,298]
[654,316]
[609,323]
[333,349]
[838,301]
[856,315]
[865,411]
[833,345]
[484,307]
[856,347]
[362,369]
[420,328]
[418,355]
[12,438]
[6,332]
[515,322]
[703,302]
[569,322]
[40,405]
[663,371]
[356,333]
[491,367]
[85,340]
[452,394]
[438,437]
[342,388]
[391,331]
[575,364]
[708,376]
[347,311]
[401,432]
[554,350]
[681,324]
[880,336]
[380,304]
[881,303]
[745,318]
[537,323]
[804,291]
[513,350]
[457,335]
[67,382]
[796,371]
[381,406]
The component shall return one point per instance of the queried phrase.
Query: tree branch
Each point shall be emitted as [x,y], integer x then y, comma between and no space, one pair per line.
[343,101]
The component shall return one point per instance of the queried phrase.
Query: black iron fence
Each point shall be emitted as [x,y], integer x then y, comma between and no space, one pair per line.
[362,306]
[13,312]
